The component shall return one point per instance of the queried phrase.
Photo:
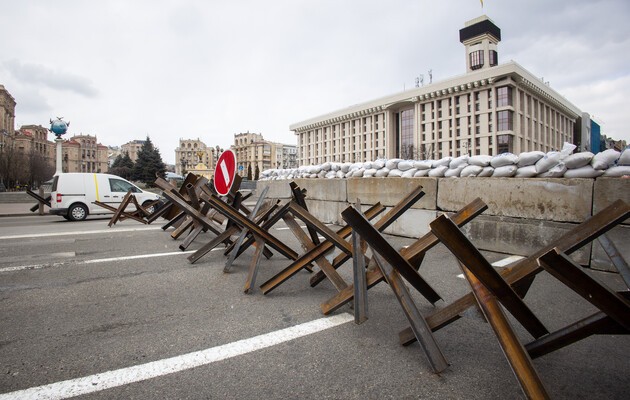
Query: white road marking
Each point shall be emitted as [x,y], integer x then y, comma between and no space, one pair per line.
[137,373]
[53,234]
[501,263]
[100,260]
[226,174]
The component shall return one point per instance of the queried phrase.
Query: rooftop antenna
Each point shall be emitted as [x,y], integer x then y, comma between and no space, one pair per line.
[421,79]
[417,81]
[430,76]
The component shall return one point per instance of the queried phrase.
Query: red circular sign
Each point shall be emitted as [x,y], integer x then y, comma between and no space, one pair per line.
[224,172]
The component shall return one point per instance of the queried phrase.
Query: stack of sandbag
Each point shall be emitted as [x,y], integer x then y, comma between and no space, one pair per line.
[553,164]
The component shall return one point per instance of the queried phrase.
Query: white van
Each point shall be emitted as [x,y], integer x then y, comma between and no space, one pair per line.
[73,194]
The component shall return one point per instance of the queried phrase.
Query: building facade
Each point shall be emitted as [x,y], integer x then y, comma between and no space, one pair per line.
[132,148]
[192,152]
[7,116]
[253,151]
[83,153]
[493,108]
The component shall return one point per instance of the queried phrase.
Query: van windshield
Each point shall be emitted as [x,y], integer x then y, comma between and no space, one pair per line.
[118,185]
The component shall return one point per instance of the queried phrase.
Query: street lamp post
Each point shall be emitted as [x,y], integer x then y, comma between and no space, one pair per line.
[59,127]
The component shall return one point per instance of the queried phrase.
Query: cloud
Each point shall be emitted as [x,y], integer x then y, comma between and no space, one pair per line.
[40,75]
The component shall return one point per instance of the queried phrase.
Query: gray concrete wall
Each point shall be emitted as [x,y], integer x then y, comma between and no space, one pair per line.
[523,214]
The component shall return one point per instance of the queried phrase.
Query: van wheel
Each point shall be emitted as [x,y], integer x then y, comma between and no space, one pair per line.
[151,209]
[77,212]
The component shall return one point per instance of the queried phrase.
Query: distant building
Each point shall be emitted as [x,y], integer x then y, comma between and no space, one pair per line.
[112,153]
[252,151]
[192,152]
[83,153]
[7,116]
[132,148]
[493,108]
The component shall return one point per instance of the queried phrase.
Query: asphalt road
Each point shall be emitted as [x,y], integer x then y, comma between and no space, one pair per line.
[80,299]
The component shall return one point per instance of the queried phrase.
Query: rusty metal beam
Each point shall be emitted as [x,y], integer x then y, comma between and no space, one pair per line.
[617,259]
[416,320]
[310,256]
[566,271]
[317,225]
[414,254]
[358,276]
[519,360]
[466,252]
[585,232]
[378,243]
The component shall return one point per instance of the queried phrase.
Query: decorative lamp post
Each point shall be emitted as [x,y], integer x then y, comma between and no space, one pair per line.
[59,127]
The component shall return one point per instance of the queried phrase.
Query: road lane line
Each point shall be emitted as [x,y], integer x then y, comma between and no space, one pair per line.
[137,373]
[95,261]
[53,234]
[501,263]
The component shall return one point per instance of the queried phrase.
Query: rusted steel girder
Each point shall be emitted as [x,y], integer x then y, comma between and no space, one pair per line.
[414,254]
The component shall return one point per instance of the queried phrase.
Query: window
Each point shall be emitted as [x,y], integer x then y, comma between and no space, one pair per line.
[406,130]
[504,96]
[494,58]
[476,59]
[505,121]
[117,185]
[504,144]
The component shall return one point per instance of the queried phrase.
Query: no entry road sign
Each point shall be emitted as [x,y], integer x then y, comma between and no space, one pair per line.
[224,172]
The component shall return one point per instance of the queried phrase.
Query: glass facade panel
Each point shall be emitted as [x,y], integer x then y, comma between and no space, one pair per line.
[406,133]
[505,121]
[504,96]
[476,59]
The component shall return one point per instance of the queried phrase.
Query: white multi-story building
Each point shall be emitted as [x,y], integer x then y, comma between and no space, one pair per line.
[492,109]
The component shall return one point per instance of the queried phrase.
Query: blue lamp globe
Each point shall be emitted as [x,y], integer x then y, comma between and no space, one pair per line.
[59,127]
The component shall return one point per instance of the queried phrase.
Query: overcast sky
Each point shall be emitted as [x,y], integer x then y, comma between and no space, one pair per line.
[126,69]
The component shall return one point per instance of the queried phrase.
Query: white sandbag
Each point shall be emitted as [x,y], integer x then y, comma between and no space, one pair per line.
[369,172]
[326,166]
[426,164]
[331,174]
[367,165]
[482,161]
[321,174]
[624,158]
[618,171]
[503,159]
[442,162]
[583,172]
[555,172]
[335,167]
[438,171]
[405,165]
[454,172]
[392,164]
[567,150]
[550,160]
[528,171]
[312,176]
[345,167]
[486,171]
[471,170]
[421,172]
[358,173]
[340,174]
[529,158]
[356,166]
[605,159]
[505,171]
[383,172]
[395,173]
[578,160]
[456,162]
[409,173]
[378,164]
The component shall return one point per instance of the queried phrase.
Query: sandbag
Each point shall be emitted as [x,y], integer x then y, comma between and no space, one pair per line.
[618,171]
[505,171]
[456,162]
[486,172]
[345,167]
[438,172]
[378,164]
[405,165]
[369,172]
[624,158]
[409,173]
[381,173]
[442,162]
[426,164]
[471,170]
[550,160]
[421,172]
[454,172]
[555,172]
[392,164]
[578,160]
[529,158]
[526,172]
[326,166]
[395,173]
[605,159]
[340,174]
[482,161]
[583,172]
[503,159]
[358,173]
